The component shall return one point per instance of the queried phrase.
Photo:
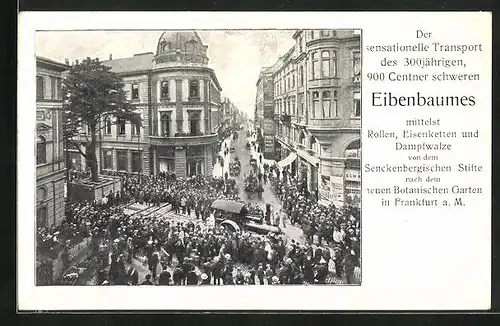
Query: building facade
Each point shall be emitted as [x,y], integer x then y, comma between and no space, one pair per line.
[50,158]
[265,111]
[179,99]
[317,101]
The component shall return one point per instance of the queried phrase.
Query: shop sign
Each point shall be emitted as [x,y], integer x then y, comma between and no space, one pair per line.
[353,175]
[268,143]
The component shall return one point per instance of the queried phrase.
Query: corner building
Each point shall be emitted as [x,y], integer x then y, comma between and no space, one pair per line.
[317,101]
[179,97]
[50,158]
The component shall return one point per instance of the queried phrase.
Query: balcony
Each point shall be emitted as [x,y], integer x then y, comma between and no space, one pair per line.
[323,82]
[332,124]
[183,140]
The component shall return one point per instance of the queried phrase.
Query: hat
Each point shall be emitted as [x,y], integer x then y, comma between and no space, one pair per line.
[322,261]
[105,283]
[227,256]
[204,276]
[150,242]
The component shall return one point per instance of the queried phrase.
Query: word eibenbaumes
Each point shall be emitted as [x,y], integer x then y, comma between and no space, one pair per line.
[388,99]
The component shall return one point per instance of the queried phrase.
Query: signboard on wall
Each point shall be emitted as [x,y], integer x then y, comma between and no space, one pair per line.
[268,127]
[331,190]
[269,144]
[352,175]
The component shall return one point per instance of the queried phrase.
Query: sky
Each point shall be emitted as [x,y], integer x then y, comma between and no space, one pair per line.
[236,56]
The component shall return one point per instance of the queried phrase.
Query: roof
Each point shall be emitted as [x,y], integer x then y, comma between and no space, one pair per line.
[136,63]
[228,206]
[52,63]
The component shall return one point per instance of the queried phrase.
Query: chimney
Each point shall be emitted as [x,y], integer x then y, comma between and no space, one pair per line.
[110,56]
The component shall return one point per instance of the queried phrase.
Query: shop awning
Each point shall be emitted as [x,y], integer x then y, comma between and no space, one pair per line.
[287,161]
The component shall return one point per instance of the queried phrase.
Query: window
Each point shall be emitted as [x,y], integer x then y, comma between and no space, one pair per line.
[39,88]
[327,104]
[107,129]
[121,160]
[325,33]
[41,217]
[194,89]
[135,91]
[108,159]
[194,124]
[165,124]
[335,112]
[301,72]
[357,104]
[136,161]
[300,44]
[356,63]
[136,129]
[311,35]
[325,64]
[334,65]
[315,66]
[41,148]
[293,106]
[121,127]
[293,79]
[315,99]
[164,90]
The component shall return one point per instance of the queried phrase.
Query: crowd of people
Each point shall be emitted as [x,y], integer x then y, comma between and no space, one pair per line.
[336,227]
[195,251]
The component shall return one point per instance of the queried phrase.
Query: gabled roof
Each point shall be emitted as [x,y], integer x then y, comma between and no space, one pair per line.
[52,63]
[136,63]
[40,126]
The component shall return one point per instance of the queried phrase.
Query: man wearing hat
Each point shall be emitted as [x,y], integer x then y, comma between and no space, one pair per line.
[349,263]
[321,272]
[153,262]
[192,277]
[205,280]
[165,277]
[132,276]
[240,278]
[147,281]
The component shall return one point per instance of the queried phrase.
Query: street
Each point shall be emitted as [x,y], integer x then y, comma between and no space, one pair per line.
[268,196]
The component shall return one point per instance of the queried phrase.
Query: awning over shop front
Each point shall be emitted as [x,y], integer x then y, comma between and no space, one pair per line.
[287,161]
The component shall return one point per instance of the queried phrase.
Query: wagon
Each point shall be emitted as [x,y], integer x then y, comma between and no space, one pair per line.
[234,217]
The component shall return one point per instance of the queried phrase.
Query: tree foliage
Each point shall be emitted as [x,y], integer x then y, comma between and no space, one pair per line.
[92,94]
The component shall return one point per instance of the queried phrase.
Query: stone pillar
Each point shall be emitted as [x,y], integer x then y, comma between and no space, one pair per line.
[154,156]
[145,160]
[178,105]
[129,160]
[208,160]
[115,162]
[180,162]
[206,107]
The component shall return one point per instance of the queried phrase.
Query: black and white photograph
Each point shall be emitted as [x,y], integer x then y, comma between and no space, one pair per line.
[198,157]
